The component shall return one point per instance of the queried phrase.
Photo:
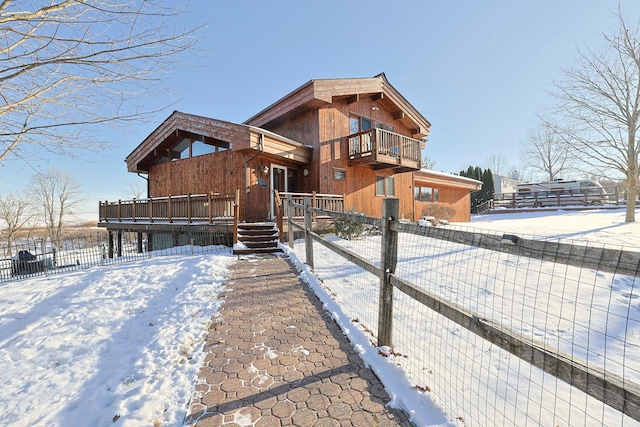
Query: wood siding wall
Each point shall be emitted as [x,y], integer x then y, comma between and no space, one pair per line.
[221,172]
[360,184]
[325,128]
[305,129]
[458,199]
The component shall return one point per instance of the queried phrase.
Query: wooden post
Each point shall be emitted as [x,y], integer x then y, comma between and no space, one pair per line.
[119,244]
[314,203]
[149,242]
[236,212]
[133,210]
[119,210]
[307,228]
[389,257]
[110,244]
[291,235]
[209,206]
[169,209]
[139,242]
[189,208]
[279,214]
[150,201]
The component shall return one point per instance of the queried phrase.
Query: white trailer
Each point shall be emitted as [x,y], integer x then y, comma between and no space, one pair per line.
[560,193]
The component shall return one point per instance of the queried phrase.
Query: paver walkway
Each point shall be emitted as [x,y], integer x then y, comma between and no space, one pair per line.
[276,358]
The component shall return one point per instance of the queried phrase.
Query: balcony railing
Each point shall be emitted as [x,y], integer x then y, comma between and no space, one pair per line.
[381,148]
[207,208]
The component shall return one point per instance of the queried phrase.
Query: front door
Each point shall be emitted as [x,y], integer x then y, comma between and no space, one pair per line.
[278,182]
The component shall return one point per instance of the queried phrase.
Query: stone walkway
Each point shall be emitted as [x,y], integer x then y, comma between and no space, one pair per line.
[275,358]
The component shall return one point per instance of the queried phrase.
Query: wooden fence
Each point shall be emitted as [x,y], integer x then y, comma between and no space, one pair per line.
[535,199]
[620,394]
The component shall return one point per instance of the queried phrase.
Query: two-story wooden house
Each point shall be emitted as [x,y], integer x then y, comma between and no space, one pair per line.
[357,139]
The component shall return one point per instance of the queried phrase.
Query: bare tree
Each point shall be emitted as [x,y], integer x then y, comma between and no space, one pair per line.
[545,151]
[138,189]
[66,65]
[428,162]
[498,165]
[58,194]
[15,211]
[599,106]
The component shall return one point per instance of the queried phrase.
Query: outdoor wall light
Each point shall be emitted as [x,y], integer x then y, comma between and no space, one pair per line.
[374,108]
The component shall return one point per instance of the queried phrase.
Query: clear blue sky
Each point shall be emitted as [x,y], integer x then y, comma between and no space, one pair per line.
[479,71]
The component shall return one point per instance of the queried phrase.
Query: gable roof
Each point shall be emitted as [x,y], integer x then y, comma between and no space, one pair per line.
[317,93]
[180,125]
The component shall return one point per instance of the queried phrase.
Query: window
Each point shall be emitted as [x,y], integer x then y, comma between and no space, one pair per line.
[426,194]
[385,186]
[339,174]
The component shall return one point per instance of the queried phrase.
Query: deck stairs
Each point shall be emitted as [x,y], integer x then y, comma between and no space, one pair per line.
[257,238]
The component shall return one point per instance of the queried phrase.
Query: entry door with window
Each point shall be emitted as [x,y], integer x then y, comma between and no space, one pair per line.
[278,182]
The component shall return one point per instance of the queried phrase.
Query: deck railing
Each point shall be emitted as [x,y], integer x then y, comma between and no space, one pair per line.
[209,208]
[329,202]
[382,146]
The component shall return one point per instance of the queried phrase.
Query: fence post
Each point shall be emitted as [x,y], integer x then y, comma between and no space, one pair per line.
[290,232]
[389,258]
[133,209]
[307,228]
[169,209]
[42,258]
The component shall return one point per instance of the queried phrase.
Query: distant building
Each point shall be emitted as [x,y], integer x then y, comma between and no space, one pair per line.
[506,184]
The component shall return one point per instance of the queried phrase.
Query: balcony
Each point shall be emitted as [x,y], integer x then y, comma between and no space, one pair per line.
[381,149]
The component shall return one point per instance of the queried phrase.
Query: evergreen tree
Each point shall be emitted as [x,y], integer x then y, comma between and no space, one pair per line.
[487,191]
[487,184]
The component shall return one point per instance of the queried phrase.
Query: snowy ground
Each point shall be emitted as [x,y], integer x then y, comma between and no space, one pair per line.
[590,315]
[116,343]
[123,342]
[597,226]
